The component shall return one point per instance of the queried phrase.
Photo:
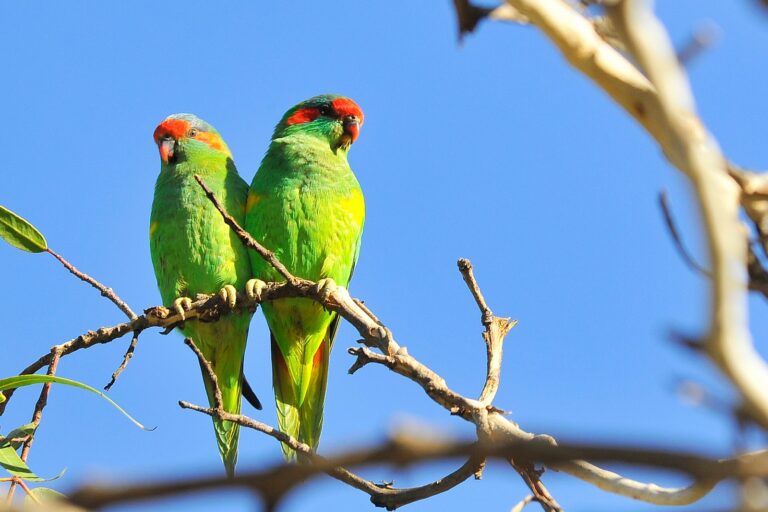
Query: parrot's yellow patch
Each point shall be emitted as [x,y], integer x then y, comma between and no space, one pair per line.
[152,228]
[355,205]
[253,198]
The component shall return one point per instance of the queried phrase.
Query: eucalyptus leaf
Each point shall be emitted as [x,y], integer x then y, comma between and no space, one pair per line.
[20,233]
[29,380]
[44,495]
[22,431]
[11,462]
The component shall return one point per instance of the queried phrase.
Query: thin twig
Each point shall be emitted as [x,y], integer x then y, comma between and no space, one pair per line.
[206,365]
[249,241]
[126,359]
[207,307]
[675,234]
[521,505]
[37,415]
[532,479]
[367,311]
[468,16]
[467,273]
[27,490]
[389,497]
[496,329]
[105,291]
[702,38]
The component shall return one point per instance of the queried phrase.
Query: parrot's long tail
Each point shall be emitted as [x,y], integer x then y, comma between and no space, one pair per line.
[229,373]
[300,400]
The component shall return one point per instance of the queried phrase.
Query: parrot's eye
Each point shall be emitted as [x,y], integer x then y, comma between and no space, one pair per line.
[325,110]
[193,133]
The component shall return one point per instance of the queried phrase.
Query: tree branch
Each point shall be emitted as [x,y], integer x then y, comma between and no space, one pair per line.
[664,106]
[109,293]
[489,424]
[247,240]
[126,359]
[37,416]
[695,152]
[406,449]
[381,496]
[496,329]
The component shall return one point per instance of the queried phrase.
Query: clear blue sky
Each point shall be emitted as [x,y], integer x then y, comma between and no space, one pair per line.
[493,150]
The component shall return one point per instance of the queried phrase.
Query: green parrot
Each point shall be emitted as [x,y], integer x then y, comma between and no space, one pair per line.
[306,206]
[194,251]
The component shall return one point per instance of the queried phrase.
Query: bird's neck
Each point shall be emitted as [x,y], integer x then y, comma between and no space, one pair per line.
[310,147]
[207,166]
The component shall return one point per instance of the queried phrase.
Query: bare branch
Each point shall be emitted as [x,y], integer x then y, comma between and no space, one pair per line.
[496,329]
[695,152]
[664,106]
[468,16]
[676,238]
[206,365]
[245,237]
[382,496]
[37,415]
[521,505]
[532,479]
[702,38]
[206,307]
[404,450]
[126,359]
[490,424]
[105,292]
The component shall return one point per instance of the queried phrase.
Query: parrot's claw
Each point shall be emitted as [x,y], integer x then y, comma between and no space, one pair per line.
[228,294]
[254,288]
[181,306]
[326,287]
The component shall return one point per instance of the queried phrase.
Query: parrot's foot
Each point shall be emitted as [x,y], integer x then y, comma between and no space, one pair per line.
[181,306]
[325,287]
[254,288]
[228,294]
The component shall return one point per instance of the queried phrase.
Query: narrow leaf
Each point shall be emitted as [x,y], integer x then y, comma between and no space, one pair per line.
[44,495]
[28,380]
[19,233]
[11,462]
[22,431]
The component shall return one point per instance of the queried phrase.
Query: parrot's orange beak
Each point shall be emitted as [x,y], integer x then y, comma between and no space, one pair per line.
[351,126]
[167,145]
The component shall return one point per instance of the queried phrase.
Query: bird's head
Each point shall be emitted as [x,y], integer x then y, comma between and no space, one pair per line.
[182,136]
[334,118]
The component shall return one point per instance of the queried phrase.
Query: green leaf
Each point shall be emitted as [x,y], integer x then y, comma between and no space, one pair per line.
[44,495]
[20,233]
[22,431]
[12,463]
[29,380]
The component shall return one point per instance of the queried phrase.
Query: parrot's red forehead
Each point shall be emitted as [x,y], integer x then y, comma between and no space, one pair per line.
[176,128]
[346,107]
[179,129]
[342,107]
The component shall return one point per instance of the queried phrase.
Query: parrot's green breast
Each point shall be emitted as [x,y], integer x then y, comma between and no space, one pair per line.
[308,209]
[193,250]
